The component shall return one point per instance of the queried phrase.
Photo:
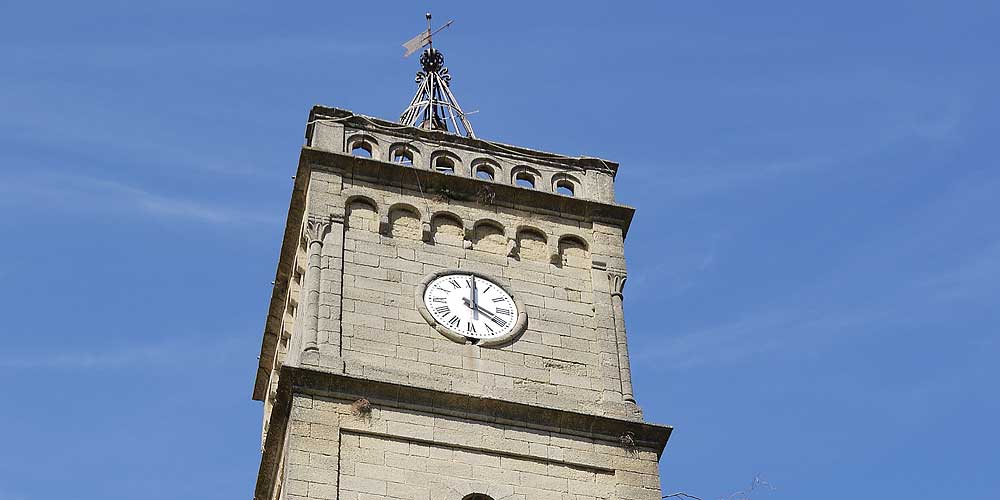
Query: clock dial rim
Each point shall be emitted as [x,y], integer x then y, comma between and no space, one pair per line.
[455,300]
[520,321]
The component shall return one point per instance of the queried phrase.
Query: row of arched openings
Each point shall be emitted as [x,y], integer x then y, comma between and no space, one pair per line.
[446,162]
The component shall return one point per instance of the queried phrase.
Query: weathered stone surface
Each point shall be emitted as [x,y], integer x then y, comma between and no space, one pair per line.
[365,400]
[417,438]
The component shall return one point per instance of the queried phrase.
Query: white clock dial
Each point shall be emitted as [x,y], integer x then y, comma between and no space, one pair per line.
[471,306]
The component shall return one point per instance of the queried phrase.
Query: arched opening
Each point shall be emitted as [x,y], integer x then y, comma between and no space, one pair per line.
[524,176]
[525,180]
[485,169]
[361,146]
[402,155]
[565,184]
[444,165]
[485,173]
[565,187]
[362,149]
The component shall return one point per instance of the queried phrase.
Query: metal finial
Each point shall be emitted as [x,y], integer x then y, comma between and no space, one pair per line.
[432,60]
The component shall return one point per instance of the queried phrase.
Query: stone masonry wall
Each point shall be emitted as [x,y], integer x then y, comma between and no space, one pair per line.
[393,238]
[333,452]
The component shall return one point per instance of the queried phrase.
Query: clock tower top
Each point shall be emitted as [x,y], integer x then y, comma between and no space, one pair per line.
[544,222]
[446,321]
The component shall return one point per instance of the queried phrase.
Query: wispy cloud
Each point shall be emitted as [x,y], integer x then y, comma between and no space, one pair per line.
[774,330]
[976,276]
[117,357]
[922,270]
[80,193]
[221,53]
[698,181]
[113,132]
[6,495]
[801,325]
[865,114]
[674,276]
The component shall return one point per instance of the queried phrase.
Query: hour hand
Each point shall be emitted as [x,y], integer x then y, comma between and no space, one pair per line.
[476,307]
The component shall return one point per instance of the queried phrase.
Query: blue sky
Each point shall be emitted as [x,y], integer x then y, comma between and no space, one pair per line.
[814,262]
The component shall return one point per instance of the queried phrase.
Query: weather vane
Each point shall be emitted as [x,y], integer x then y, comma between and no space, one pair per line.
[425,38]
[433,106]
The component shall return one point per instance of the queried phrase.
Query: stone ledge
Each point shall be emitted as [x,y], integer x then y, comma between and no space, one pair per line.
[318,382]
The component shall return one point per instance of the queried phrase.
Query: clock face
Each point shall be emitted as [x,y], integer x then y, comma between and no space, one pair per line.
[471,306]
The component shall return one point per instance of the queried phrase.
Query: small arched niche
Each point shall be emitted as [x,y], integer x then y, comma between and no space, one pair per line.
[573,252]
[447,229]
[531,244]
[362,146]
[362,215]
[489,237]
[404,222]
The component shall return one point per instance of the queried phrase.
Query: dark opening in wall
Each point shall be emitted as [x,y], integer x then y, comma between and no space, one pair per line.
[485,173]
[525,180]
[402,156]
[444,165]
[362,149]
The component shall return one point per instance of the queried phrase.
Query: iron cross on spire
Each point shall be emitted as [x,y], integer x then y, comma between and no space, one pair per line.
[434,106]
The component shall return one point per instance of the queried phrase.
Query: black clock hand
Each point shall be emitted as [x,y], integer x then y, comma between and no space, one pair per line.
[477,307]
[492,316]
[475,303]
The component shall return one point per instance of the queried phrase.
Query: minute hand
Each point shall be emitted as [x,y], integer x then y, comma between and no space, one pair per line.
[475,302]
[476,307]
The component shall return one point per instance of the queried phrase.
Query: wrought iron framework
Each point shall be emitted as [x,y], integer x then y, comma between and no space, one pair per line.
[434,106]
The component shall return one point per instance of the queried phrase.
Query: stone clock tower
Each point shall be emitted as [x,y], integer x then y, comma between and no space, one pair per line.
[446,321]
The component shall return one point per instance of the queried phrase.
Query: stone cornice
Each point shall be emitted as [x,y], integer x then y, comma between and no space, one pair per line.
[339,386]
